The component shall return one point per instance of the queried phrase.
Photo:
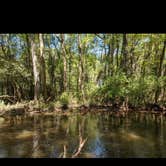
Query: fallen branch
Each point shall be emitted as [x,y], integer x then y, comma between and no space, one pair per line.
[8,98]
[48,99]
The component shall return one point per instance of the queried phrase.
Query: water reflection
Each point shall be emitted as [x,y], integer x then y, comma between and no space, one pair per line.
[108,135]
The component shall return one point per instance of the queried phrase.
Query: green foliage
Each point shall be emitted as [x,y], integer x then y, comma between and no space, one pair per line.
[2,103]
[113,87]
[64,98]
[138,90]
[101,61]
[51,106]
[142,90]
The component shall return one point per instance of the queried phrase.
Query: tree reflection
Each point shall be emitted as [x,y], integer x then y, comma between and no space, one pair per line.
[81,143]
[36,137]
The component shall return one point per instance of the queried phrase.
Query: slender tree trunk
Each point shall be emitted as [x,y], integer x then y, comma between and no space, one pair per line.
[35,67]
[1,88]
[42,67]
[123,63]
[117,52]
[29,66]
[161,60]
[52,75]
[70,70]
[105,62]
[111,67]
[131,54]
[64,63]
[81,69]
[158,89]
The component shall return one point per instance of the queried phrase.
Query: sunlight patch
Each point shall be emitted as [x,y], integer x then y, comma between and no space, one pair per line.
[24,134]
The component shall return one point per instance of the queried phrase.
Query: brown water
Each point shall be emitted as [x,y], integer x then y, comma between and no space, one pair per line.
[135,135]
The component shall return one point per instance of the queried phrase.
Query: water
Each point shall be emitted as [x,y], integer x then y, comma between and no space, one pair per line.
[134,135]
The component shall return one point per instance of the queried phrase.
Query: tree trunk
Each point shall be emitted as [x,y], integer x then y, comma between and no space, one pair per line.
[123,63]
[112,55]
[52,75]
[70,70]
[42,67]
[35,67]
[158,89]
[105,62]
[117,52]
[29,66]
[64,63]
[81,69]
[161,60]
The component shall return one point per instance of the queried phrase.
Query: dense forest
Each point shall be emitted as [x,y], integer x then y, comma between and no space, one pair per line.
[93,69]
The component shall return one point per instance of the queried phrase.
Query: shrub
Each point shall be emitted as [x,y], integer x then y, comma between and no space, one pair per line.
[2,103]
[64,99]
[138,90]
[51,107]
[114,87]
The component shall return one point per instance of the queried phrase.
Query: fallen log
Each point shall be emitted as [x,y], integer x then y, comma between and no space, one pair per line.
[9,98]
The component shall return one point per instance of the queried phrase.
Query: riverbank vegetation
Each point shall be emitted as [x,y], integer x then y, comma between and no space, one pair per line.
[68,70]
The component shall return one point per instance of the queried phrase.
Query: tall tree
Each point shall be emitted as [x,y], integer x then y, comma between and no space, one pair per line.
[123,63]
[81,75]
[161,59]
[158,89]
[42,66]
[35,67]
[61,39]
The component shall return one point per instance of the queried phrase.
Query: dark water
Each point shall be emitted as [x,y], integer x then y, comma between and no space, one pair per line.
[135,135]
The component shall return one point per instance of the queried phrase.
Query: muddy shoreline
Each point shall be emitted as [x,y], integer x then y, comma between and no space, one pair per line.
[25,109]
